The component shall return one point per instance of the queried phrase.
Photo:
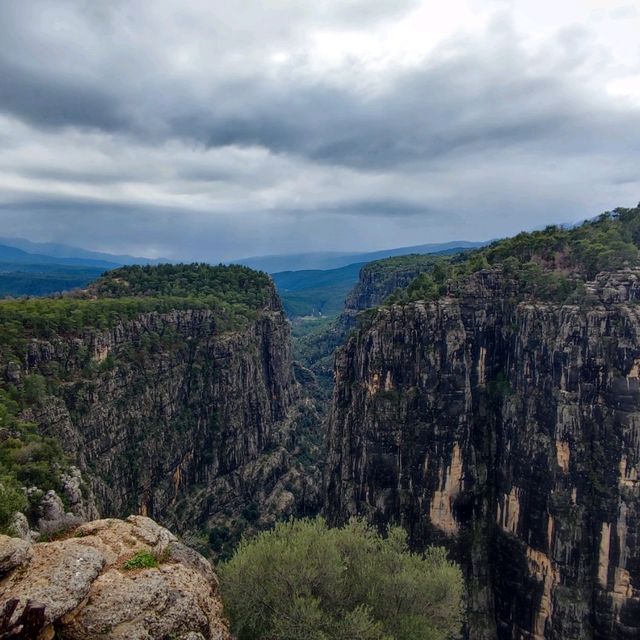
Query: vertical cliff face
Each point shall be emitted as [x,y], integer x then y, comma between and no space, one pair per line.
[379,279]
[162,417]
[169,414]
[511,432]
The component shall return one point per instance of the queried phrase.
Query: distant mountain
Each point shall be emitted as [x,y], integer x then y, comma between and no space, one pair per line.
[43,279]
[323,292]
[55,250]
[333,260]
[42,268]
[316,291]
[14,256]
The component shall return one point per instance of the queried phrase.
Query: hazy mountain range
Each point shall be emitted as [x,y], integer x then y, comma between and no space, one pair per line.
[309,283]
[35,269]
[333,260]
[62,254]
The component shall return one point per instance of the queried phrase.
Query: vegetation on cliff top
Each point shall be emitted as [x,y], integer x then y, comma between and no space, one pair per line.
[380,278]
[29,460]
[234,284]
[234,293]
[305,581]
[551,265]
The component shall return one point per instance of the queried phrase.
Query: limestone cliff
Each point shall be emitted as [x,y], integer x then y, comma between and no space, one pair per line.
[172,415]
[108,579]
[510,431]
[379,279]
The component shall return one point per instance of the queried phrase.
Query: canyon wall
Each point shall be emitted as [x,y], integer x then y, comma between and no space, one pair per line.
[511,433]
[379,279]
[170,417]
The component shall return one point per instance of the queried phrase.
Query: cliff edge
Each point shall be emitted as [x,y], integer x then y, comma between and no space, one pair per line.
[108,579]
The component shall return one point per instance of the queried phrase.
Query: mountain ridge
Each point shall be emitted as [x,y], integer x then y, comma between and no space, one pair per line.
[322,260]
[59,250]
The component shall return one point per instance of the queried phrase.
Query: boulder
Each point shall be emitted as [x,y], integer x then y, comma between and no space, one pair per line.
[79,587]
[13,553]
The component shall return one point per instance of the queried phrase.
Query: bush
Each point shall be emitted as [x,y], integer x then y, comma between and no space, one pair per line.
[12,499]
[142,560]
[303,580]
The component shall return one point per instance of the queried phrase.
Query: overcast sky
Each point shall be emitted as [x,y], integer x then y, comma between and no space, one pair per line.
[209,129]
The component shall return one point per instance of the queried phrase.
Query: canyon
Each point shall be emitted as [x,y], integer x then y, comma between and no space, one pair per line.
[488,403]
[169,415]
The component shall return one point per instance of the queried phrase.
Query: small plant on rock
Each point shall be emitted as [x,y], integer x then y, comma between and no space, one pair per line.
[142,560]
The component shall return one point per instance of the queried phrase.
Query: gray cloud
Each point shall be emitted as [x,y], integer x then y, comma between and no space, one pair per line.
[177,127]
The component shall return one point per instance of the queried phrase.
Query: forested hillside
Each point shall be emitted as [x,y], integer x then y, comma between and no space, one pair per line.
[552,264]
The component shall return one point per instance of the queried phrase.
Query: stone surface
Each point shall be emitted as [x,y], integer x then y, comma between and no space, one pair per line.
[53,516]
[58,576]
[19,527]
[88,594]
[13,552]
[511,433]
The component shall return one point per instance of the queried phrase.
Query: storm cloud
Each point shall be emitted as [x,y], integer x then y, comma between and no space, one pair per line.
[198,130]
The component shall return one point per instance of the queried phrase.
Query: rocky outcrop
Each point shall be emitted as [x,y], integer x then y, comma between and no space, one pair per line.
[379,279]
[85,586]
[510,432]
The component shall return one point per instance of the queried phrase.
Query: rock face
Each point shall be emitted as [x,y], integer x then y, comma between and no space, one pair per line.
[378,280]
[166,415]
[511,433]
[79,589]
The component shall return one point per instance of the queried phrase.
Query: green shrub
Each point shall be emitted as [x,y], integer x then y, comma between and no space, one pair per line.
[303,580]
[251,512]
[142,560]
[217,537]
[12,499]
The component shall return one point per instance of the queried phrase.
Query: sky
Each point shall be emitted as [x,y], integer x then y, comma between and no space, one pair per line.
[213,130]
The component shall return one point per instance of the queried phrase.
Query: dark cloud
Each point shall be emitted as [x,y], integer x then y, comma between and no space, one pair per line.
[57,101]
[383,207]
[477,97]
[176,126]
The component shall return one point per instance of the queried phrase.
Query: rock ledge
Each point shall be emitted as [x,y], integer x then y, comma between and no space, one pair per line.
[76,588]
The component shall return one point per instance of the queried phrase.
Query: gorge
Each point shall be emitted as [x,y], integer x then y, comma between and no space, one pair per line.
[488,402]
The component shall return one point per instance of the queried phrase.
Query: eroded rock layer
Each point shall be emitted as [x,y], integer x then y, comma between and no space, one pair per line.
[511,432]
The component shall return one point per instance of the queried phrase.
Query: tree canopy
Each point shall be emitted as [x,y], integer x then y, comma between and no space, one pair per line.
[549,265]
[305,581]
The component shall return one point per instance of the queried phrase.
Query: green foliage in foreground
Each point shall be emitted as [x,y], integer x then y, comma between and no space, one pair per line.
[305,581]
[12,499]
